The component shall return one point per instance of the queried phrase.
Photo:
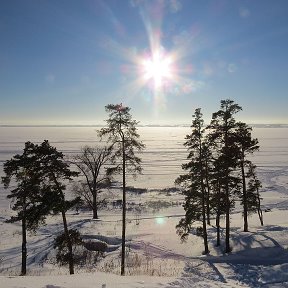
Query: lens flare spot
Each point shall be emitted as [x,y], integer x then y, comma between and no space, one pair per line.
[160,220]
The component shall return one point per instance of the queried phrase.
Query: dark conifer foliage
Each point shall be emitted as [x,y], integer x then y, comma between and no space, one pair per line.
[222,131]
[29,199]
[56,172]
[41,175]
[247,146]
[121,133]
[61,244]
[207,149]
[253,193]
[217,196]
[194,181]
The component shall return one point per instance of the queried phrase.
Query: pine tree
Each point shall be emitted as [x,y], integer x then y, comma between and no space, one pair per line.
[208,164]
[121,132]
[222,128]
[213,176]
[30,200]
[247,146]
[194,181]
[253,193]
[217,196]
[55,172]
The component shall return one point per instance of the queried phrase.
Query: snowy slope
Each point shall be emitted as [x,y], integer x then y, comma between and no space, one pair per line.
[156,257]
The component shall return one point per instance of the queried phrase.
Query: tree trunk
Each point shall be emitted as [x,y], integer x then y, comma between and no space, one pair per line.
[203,202]
[218,229]
[259,210]
[66,231]
[206,251]
[245,208]
[24,241]
[123,210]
[227,198]
[95,212]
[218,214]
[69,244]
[207,194]
[260,217]
[227,231]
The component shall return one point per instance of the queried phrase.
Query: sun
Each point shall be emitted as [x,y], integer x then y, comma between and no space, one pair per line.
[158,68]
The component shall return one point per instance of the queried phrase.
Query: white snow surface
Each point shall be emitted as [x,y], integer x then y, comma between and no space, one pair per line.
[155,255]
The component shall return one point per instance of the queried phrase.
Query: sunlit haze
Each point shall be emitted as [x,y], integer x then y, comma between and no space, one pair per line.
[61,62]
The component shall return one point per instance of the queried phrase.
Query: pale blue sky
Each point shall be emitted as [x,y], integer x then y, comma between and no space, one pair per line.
[62,61]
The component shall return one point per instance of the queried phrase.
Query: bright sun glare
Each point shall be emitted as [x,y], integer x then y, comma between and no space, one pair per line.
[158,68]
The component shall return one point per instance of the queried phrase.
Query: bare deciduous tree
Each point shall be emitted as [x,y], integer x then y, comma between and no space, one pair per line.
[93,163]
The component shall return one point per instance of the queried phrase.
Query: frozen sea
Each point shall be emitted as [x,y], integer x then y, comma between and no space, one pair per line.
[162,157]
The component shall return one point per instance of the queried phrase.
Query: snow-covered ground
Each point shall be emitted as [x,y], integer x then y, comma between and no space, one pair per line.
[155,255]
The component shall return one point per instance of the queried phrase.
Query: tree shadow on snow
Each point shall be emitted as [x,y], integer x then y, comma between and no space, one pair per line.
[196,272]
[254,256]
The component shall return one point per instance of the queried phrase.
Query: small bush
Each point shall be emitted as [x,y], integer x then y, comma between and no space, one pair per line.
[87,259]
[135,190]
[200,231]
[62,255]
[96,246]
[157,205]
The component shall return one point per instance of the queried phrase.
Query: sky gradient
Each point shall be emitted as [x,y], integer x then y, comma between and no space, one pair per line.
[62,61]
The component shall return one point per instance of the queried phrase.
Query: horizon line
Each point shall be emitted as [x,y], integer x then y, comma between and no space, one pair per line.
[263,125]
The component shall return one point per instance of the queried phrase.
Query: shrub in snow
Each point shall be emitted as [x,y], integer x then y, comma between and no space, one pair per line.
[96,246]
[62,255]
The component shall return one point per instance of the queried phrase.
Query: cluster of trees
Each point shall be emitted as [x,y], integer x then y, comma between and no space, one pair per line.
[218,173]
[41,174]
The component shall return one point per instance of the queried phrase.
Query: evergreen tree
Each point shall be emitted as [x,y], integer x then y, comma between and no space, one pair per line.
[247,146]
[29,199]
[61,245]
[194,181]
[55,172]
[217,196]
[121,132]
[253,194]
[208,164]
[222,128]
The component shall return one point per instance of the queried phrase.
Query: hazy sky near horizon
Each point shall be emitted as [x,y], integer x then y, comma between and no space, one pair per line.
[62,61]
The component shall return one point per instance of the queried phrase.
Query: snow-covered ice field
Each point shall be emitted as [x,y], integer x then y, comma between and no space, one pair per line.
[156,256]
